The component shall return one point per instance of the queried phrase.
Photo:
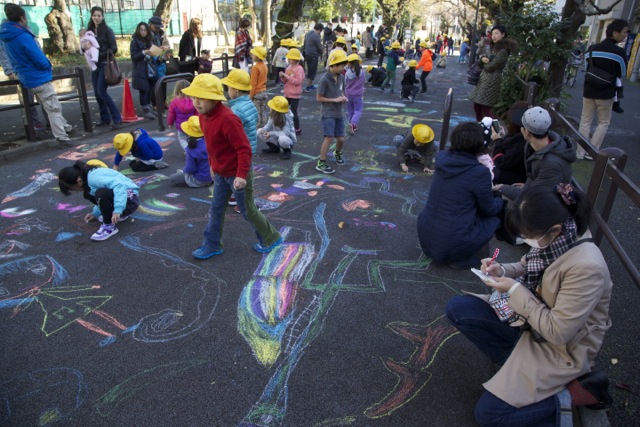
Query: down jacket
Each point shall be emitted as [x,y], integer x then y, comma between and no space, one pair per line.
[247,112]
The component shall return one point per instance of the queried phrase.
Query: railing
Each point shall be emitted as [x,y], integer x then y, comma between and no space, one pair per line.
[27,102]
[160,89]
[607,177]
[448,104]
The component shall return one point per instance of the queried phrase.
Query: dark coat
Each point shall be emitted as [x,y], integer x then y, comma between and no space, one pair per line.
[139,73]
[461,214]
[188,46]
[409,77]
[610,57]
[378,75]
[508,158]
[487,90]
[106,38]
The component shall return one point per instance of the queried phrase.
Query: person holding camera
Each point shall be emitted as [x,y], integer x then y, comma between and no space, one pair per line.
[561,290]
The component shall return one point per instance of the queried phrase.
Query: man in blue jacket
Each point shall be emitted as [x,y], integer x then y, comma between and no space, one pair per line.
[33,68]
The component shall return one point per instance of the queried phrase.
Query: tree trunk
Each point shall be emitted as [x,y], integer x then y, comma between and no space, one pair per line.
[254,20]
[163,10]
[265,34]
[60,29]
[291,12]
[223,27]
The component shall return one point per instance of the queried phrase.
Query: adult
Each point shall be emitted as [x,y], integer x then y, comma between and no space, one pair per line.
[367,40]
[548,156]
[160,39]
[140,58]
[243,46]
[312,53]
[109,113]
[508,150]
[461,214]
[379,34]
[450,46]
[562,290]
[597,98]
[191,41]
[486,93]
[328,37]
[33,68]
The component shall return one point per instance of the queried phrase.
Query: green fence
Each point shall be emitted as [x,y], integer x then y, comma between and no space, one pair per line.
[122,23]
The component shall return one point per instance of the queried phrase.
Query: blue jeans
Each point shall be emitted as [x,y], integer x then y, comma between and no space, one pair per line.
[476,320]
[222,189]
[108,110]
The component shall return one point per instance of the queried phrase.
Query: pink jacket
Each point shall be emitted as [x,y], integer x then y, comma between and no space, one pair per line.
[293,78]
[180,110]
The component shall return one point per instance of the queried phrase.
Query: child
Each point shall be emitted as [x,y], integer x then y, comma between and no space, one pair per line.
[464,51]
[393,59]
[377,75]
[204,61]
[258,93]
[293,77]
[408,83]
[354,90]
[230,160]
[442,61]
[180,109]
[114,196]
[279,131]
[91,48]
[425,64]
[196,172]
[381,50]
[238,86]
[420,139]
[280,58]
[330,95]
[147,152]
[340,45]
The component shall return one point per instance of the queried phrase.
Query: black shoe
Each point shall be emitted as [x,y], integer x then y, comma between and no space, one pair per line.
[617,108]
[286,153]
[115,125]
[101,124]
[423,91]
[65,143]
[597,383]
[273,148]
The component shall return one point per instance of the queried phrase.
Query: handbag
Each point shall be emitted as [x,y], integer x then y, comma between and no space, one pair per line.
[599,78]
[112,74]
[173,66]
[473,74]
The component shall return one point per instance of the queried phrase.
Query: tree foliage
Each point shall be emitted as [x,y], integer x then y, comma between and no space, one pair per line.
[392,10]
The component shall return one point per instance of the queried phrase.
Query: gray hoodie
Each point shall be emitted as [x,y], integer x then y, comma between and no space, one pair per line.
[549,166]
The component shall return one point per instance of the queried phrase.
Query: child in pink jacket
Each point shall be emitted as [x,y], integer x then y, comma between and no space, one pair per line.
[90,47]
[293,77]
[180,109]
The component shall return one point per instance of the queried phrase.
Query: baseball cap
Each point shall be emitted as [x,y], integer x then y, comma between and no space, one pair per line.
[536,120]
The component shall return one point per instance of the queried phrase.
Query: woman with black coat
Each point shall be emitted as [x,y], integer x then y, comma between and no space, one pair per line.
[109,113]
[188,41]
[140,45]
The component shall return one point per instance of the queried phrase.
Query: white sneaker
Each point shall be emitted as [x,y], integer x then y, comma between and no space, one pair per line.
[104,232]
[122,218]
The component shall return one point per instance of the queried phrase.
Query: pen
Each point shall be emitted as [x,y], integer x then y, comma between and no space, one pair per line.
[493,258]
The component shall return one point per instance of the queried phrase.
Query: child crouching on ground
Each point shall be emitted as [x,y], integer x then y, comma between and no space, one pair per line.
[114,196]
[147,152]
[180,109]
[230,160]
[293,77]
[408,83]
[420,139]
[196,172]
[90,47]
[279,131]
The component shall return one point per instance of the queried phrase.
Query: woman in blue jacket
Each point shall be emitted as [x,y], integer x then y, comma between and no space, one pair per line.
[461,214]
[114,196]
[146,150]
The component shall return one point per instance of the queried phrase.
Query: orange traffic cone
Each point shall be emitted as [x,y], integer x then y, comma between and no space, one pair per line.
[128,110]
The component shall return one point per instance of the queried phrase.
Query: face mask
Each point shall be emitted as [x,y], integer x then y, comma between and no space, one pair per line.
[534,243]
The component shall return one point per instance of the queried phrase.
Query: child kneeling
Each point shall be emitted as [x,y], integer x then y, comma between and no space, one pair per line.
[114,196]
[146,150]
[196,172]
[279,132]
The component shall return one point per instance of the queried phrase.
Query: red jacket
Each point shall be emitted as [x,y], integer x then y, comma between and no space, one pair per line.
[227,144]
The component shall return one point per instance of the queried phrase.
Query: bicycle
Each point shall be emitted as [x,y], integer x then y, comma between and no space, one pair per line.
[571,70]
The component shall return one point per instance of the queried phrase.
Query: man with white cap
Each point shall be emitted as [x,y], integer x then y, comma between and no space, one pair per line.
[548,155]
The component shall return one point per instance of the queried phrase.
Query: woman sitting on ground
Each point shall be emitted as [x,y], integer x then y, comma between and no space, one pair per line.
[559,294]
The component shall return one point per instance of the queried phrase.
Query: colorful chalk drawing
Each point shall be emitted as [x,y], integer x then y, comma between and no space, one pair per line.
[10,248]
[43,397]
[16,212]
[64,235]
[157,210]
[39,182]
[25,226]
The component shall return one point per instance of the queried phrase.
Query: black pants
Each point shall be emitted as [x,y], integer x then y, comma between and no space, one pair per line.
[423,78]
[409,90]
[293,105]
[138,166]
[278,70]
[381,59]
[104,198]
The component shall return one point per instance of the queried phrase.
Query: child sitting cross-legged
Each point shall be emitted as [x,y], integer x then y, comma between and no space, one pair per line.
[196,172]
[279,131]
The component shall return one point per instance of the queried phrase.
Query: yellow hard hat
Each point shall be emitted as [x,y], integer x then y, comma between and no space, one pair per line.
[123,142]
[294,54]
[97,163]
[205,86]
[293,43]
[284,42]
[354,57]
[395,45]
[424,44]
[238,79]
[341,40]
[383,38]
[413,63]
[465,40]
[384,65]
[422,134]
[260,52]
[279,104]
[369,68]
[192,127]
[338,57]
[401,58]
[354,47]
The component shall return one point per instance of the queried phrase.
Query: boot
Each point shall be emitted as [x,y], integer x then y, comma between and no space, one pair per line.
[148,112]
[273,148]
[590,390]
[617,108]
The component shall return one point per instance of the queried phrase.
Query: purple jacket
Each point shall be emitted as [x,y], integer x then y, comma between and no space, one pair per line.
[197,162]
[180,110]
[354,85]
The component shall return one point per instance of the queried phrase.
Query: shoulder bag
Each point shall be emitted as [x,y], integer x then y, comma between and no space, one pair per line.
[112,74]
